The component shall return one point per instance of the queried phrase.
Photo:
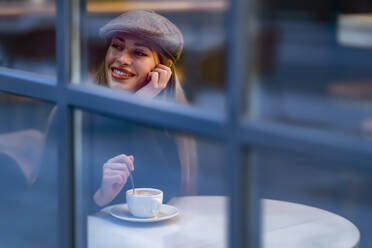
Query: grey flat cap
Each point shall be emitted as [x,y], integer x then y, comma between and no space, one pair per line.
[151,27]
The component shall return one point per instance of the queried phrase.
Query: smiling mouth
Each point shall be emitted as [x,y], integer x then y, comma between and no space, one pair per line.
[121,74]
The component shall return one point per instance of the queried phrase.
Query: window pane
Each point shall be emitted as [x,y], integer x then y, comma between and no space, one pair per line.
[313,66]
[200,69]
[27,31]
[28,172]
[288,179]
[190,172]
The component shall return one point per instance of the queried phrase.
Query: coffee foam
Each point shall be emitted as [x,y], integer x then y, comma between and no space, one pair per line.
[144,192]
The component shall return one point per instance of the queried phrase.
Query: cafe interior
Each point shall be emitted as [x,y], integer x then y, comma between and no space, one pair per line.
[278,115]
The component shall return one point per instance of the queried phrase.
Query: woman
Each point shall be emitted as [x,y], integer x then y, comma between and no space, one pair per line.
[142,49]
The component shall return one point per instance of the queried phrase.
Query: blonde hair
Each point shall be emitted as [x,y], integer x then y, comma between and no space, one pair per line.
[186,145]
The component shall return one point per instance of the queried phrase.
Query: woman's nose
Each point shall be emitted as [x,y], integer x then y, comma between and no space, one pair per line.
[124,58]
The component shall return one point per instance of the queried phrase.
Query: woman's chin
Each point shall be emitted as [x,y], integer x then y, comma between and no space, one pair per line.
[120,86]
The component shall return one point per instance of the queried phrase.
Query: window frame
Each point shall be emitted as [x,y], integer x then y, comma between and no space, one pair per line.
[238,134]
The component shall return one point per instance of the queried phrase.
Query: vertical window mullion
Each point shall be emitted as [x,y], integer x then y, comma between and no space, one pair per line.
[244,205]
[64,120]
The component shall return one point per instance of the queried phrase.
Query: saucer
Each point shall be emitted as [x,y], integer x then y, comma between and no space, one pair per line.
[121,211]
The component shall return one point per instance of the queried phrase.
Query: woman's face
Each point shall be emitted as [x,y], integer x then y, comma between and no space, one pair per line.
[128,62]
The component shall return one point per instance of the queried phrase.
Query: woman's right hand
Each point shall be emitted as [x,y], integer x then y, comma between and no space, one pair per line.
[114,176]
[158,80]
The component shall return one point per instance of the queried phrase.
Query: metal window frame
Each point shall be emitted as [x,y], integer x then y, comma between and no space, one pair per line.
[235,133]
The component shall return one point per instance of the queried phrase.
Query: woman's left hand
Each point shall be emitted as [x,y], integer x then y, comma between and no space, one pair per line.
[158,80]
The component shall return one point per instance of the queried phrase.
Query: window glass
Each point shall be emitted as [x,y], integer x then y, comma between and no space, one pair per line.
[296,189]
[200,66]
[28,172]
[313,66]
[27,35]
[188,170]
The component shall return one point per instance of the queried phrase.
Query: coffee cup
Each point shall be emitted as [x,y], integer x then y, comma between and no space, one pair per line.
[145,202]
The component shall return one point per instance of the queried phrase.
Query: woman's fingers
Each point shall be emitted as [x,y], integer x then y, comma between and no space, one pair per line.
[111,169]
[162,78]
[158,80]
[115,179]
[122,158]
[164,67]
[123,174]
[115,174]
[111,178]
[154,79]
[119,158]
[117,166]
[164,75]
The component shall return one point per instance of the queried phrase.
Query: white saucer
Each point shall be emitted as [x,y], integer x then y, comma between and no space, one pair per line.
[121,211]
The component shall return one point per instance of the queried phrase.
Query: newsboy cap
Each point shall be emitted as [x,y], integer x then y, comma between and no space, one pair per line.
[149,26]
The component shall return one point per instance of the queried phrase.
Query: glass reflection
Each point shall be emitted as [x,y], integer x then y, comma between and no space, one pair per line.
[27,31]
[294,178]
[313,66]
[190,45]
[28,187]
[189,171]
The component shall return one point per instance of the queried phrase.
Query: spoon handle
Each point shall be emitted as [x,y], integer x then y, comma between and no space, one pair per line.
[131,179]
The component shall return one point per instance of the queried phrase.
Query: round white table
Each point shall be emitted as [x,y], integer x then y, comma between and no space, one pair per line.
[202,222]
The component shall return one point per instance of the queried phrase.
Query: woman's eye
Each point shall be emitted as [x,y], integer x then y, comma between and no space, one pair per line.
[140,53]
[117,46]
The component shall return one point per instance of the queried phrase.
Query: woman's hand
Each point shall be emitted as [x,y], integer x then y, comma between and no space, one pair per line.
[114,176]
[158,80]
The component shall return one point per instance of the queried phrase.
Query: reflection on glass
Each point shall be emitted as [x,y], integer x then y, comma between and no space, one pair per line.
[27,30]
[189,172]
[311,72]
[189,43]
[28,187]
[291,178]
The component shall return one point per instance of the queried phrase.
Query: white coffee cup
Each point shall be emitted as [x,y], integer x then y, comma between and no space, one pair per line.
[145,203]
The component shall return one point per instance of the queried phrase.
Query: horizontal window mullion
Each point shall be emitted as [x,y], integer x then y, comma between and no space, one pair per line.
[348,150]
[188,119]
[152,112]
[28,84]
